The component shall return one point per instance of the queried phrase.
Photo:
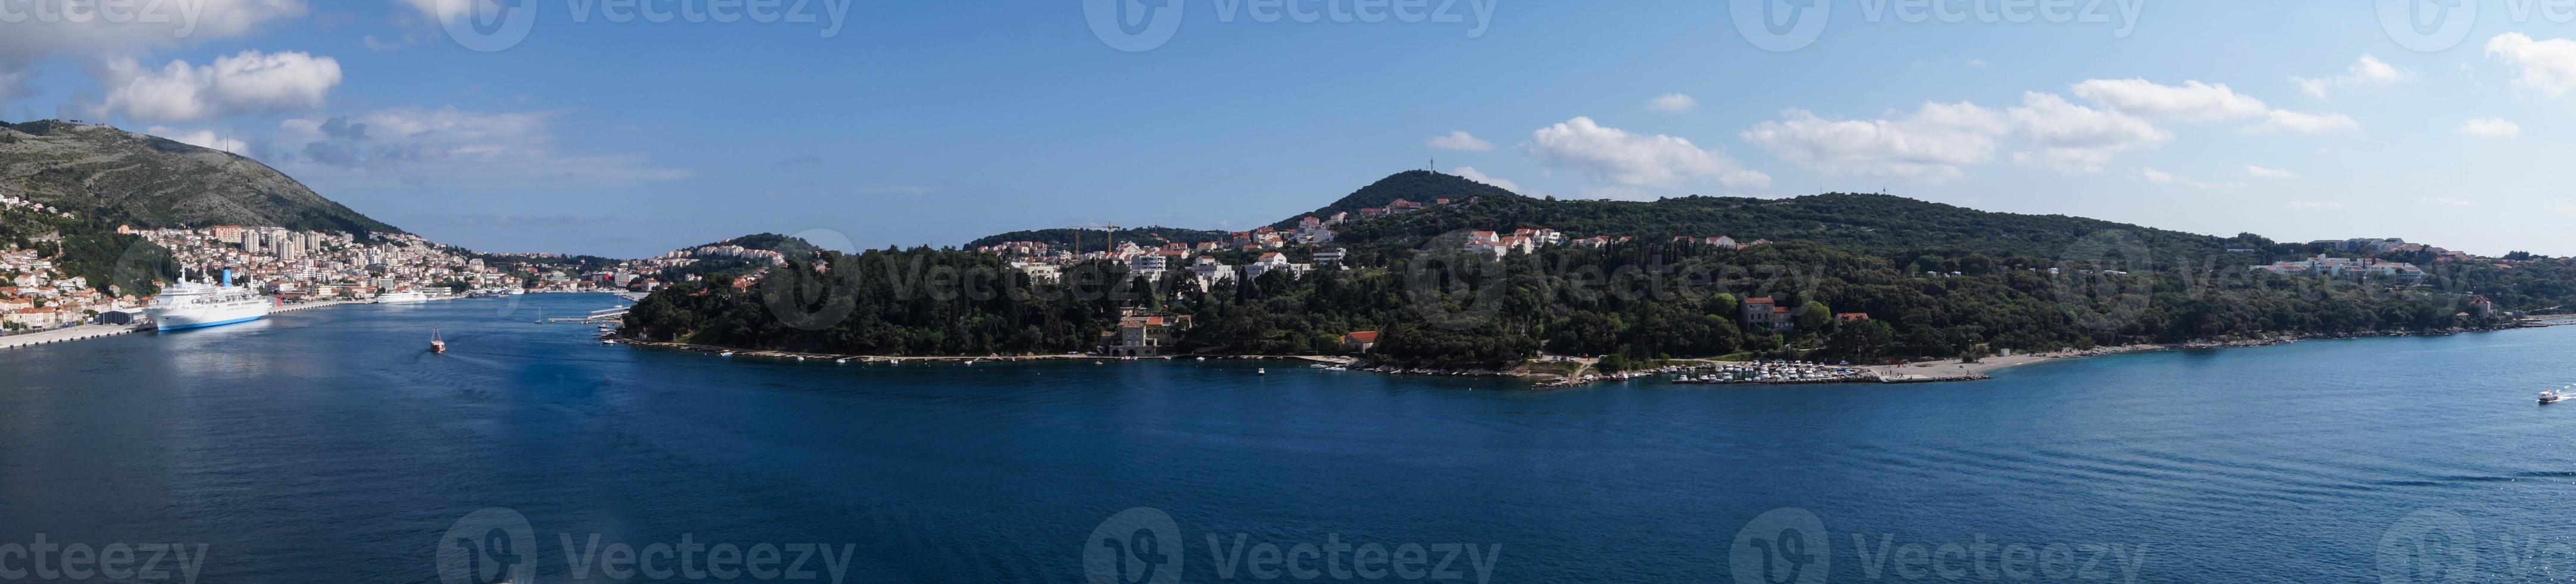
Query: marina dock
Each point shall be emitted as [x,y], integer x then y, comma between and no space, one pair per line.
[78,333]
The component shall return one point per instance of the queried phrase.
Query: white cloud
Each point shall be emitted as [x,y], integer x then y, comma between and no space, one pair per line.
[1672,102]
[2311,205]
[2548,66]
[2075,138]
[1616,156]
[1459,140]
[2192,100]
[2491,128]
[2267,172]
[250,82]
[449,147]
[2455,202]
[143,26]
[2197,101]
[1470,173]
[2307,123]
[2165,178]
[2369,71]
[202,138]
[1932,144]
[1929,145]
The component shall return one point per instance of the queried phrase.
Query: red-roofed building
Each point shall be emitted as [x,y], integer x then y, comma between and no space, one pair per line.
[1360,342]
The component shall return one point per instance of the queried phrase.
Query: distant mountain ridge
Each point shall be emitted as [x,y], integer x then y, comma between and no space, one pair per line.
[128,178]
[1868,223]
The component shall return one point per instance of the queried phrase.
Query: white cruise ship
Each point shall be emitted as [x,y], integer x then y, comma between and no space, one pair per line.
[406,297]
[197,305]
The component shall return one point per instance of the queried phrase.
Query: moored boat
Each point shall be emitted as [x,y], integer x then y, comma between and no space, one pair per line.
[197,305]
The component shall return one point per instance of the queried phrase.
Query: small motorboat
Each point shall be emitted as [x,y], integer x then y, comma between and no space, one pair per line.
[436,344]
[725,354]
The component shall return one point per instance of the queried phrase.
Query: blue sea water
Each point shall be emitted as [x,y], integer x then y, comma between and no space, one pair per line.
[329,446]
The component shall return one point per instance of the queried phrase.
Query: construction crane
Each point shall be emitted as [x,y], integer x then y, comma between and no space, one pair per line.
[1111,228]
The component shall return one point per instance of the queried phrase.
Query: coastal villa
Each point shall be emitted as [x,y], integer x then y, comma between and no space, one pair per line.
[1765,311]
[1273,262]
[1210,271]
[1360,342]
[1144,334]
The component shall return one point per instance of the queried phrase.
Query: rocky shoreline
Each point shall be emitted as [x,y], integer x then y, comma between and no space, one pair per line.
[1941,371]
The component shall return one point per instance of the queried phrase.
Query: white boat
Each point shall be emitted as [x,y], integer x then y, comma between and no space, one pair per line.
[436,344]
[404,297]
[198,305]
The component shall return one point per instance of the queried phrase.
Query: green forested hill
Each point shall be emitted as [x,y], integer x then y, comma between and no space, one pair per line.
[1420,186]
[1934,280]
[1092,239]
[124,178]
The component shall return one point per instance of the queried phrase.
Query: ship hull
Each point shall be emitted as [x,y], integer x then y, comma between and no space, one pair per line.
[197,318]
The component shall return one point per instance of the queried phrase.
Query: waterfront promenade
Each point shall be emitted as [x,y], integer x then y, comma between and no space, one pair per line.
[83,332]
[93,331]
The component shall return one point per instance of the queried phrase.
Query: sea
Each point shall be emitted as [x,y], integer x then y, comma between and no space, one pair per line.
[329,445]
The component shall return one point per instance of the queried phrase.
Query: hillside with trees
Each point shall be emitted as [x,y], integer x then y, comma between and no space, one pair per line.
[1865,278]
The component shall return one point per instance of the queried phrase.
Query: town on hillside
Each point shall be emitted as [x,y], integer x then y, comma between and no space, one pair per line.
[316,266]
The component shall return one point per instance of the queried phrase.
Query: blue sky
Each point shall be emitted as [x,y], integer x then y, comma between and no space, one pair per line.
[936,122]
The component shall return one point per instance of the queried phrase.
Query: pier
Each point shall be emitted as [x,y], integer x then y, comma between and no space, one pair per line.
[595,316]
[65,335]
